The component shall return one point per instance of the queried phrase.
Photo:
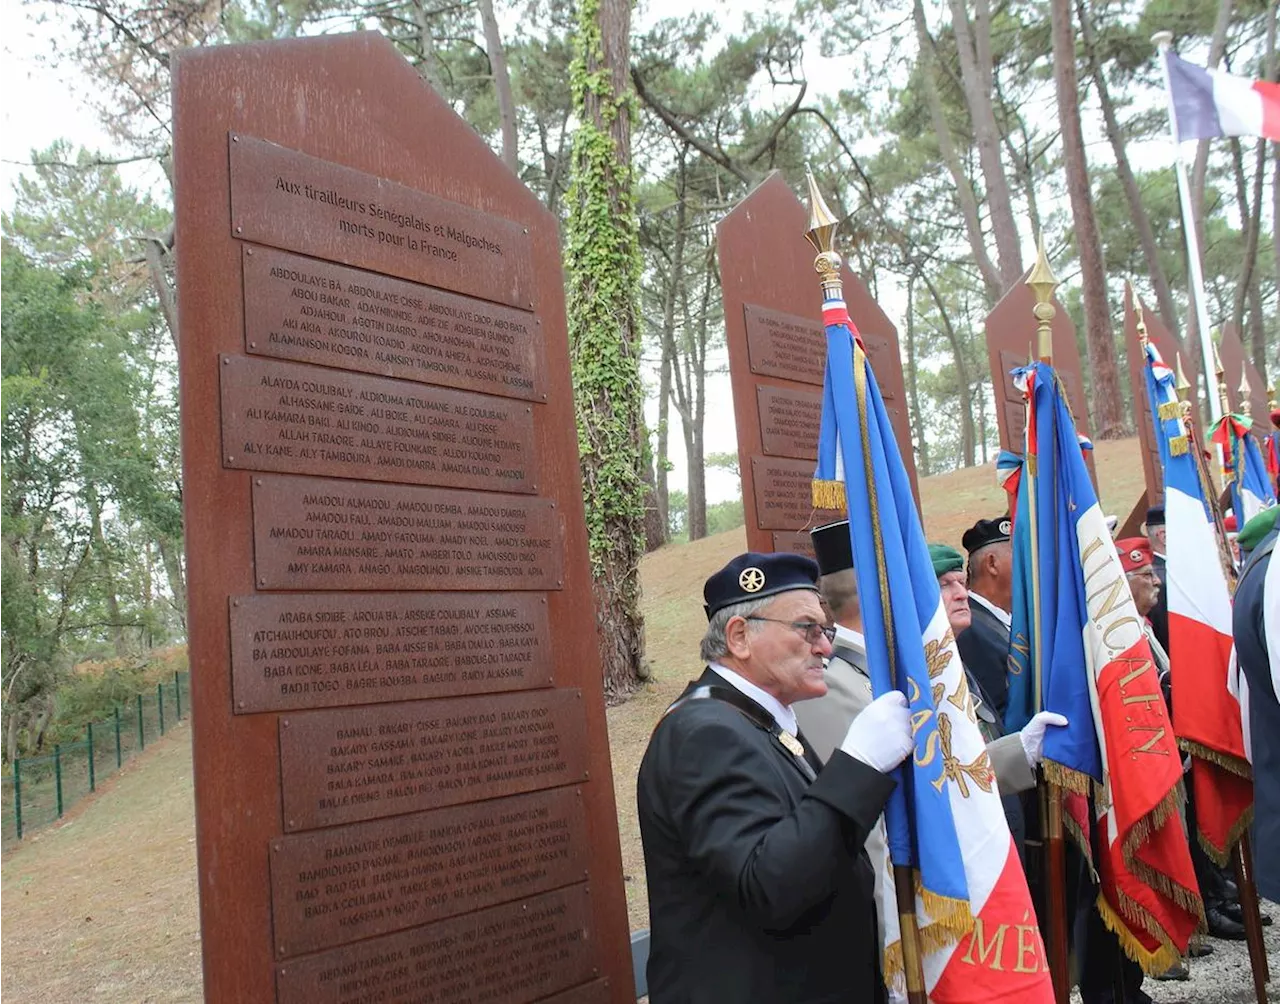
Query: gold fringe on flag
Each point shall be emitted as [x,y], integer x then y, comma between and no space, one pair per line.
[1219,759]
[829,495]
[1168,410]
[950,920]
[1152,963]
[1177,446]
[1222,855]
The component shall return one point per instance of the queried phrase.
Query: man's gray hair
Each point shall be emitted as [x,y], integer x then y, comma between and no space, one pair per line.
[713,646]
[840,592]
[976,556]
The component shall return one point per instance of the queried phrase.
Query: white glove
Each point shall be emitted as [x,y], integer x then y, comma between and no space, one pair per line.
[1032,734]
[881,734]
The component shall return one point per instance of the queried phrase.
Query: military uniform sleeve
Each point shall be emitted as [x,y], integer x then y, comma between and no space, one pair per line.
[737,825]
[1009,761]
[825,720]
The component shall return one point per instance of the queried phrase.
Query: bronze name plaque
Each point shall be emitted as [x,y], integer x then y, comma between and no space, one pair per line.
[301,419]
[595,992]
[309,650]
[784,345]
[363,763]
[280,416]
[784,494]
[514,953]
[356,881]
[316,533]
[795,541]
[789,421]
[317,312]
[301,203]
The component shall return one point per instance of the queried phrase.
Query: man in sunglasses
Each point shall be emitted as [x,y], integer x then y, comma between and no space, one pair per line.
[759,887]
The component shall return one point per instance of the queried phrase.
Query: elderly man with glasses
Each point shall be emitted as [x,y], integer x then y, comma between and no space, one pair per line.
[759,887]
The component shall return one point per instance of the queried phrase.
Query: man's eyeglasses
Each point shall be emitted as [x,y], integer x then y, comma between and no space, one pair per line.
[811,630]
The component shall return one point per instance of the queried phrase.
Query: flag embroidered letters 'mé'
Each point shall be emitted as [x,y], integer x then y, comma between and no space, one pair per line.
[978,928]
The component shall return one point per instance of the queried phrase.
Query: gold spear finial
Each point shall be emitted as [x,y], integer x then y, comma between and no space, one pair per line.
[822,235]
[1245,390]
[1140,309]
[1271,397]
[1220,372]
[1181,384]
[1043,282]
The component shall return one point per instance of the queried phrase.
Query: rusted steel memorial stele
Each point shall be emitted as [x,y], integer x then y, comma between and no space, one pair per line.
[777,356]
[403,789]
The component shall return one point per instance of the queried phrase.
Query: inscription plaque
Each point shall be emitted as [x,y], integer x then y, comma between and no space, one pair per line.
[789,421]
[294,201]
[316,533]
[362,763]
[795,541]
[784,494]
[317,312]
[595,992]
[303,650]
[785,345]
[356,881]
[289,417]
[514,953]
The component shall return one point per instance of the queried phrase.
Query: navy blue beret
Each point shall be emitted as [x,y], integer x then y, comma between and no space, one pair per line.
[1155,516]
[986,531]
[752,576]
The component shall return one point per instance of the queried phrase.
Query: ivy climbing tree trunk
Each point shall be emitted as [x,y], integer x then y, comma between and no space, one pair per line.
[602,262]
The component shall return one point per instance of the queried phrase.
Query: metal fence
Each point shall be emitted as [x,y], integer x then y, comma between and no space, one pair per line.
[38,790]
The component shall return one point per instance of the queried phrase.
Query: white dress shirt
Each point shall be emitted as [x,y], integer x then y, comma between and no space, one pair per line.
[1002,615]
[782,714]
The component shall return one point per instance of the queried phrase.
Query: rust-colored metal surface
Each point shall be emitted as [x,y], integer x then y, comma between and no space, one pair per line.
[510,954]
[784,345]
[1167,346]
[1231,351]
[288,199]
[320,650]
[309,533]
[789,420]
[315,311]
[795,541]
[351,882]
[303,419]
[589,993]
[349,117]
[1011,333]
[781,495]
[773,328]
[339,766]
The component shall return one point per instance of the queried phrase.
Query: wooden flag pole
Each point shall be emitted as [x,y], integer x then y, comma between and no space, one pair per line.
[821,234]
[1043,282]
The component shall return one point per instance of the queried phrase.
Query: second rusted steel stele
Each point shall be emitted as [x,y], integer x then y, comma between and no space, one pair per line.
[777,354]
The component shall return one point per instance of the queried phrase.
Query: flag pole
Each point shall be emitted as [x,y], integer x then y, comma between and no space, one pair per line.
[1043,282]
[1241,859]
[821,234]
[1162,40]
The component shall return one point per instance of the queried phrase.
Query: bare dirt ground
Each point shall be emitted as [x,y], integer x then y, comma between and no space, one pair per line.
[103,906]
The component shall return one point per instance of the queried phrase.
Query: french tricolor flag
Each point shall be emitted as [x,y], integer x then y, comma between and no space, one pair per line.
[1209,103]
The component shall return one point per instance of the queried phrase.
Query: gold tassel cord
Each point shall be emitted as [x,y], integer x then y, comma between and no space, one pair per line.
[829,495]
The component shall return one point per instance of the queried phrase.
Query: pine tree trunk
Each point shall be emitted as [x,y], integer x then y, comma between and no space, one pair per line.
[946,147]
[501,85]
[602,272]
[913,383]
[1137,212]
[661,488]
[973,42]
[1107,413]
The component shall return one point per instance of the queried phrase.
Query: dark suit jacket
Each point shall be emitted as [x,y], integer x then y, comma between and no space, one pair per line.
[984,649]
[759,888]
[1159,616]
[1249,630]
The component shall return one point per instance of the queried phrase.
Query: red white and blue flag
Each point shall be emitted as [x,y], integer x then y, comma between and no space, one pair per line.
[1206,715]
[1208,103]
[1249,484]
[1079,649]
[945,819]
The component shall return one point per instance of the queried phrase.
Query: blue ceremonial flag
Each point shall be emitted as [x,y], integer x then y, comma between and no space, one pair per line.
[1047,657]
[945,819]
